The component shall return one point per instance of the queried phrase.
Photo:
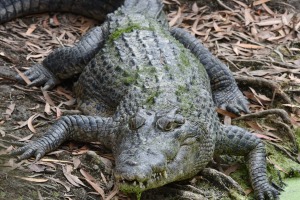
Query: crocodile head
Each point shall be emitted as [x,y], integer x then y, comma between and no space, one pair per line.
[157,149]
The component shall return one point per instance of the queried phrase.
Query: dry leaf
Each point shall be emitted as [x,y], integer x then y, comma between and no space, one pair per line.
[249,46]
[36,180]
[269,22]
[74,180]
[31,28]
[256,3]
[93,183]
[174,20]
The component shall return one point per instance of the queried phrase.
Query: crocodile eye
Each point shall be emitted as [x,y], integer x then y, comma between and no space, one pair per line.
[166,124]
[136,122]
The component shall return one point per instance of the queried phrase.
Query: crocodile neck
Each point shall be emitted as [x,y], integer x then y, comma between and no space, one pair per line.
[146,7]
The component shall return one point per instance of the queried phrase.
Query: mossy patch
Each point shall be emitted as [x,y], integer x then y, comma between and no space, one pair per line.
[128,29]
[151,98]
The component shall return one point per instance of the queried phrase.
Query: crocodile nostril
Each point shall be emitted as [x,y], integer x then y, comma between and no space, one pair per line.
[131,163]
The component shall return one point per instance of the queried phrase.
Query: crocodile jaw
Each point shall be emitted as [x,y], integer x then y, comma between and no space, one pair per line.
[180,168]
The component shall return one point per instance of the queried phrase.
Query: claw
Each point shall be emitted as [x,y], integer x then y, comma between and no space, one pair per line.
[39,81]
[39,75]
[27,154]
[235,105]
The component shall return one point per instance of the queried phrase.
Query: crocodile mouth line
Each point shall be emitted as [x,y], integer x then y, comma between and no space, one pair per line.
[147,184]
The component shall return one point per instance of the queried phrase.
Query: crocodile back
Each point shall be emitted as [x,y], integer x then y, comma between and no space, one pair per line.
[142,65]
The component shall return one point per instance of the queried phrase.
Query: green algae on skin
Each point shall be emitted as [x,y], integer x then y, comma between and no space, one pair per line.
[130,28]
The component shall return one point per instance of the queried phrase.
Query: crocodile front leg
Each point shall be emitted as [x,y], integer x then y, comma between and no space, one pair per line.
[237,141]
[67,61]
[226,94]
[76,127]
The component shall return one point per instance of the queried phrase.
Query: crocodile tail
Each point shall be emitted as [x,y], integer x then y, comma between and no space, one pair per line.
[97,9]
[150,8]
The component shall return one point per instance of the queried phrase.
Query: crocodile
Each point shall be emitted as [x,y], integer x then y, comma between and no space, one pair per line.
[148,93]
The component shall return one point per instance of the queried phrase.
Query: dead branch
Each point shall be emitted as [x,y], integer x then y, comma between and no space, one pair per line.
[287,131]
[7,74]
[280,112]
[263,83]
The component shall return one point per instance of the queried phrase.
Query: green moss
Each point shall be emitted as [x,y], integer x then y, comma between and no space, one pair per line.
[181,90]
[184,59]
[282,161]
[128,29]
[131,190]
[151,98]
[2,195]
[167,67]
[129,78]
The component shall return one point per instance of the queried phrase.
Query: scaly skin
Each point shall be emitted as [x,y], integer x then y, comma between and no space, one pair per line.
[148,98]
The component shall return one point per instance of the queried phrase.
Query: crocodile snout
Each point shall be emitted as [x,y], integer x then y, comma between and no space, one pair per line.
[140,169]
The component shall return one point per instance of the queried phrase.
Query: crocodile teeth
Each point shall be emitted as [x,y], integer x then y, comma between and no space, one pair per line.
[141,185]
[134,183]
[165,175]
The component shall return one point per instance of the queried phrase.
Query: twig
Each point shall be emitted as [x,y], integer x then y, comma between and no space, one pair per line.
[261,82]
[7,74]
[287,65]
[280,112]
[249,40]
[282,149]
[287,130]
[230,9]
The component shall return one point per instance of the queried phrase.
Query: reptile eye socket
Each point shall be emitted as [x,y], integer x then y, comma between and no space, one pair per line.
[136,122]
[166,124]
[179,119]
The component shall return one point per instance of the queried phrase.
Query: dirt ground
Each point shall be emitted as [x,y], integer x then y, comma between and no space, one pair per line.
[84,171]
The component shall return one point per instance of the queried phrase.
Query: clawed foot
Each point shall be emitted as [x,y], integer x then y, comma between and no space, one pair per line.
[39,75]
[35,149]
[231,100]
[267,192]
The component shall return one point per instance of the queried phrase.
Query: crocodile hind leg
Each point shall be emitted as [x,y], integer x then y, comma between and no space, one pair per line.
[67,61]
[226,94]
[73,127]
[237,141]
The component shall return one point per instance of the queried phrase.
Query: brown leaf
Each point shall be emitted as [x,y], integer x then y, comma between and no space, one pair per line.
[265,137]
[68,188]
[225,113]
[112,193]
[28,137]
[31,28]
[35,180]
[249,46]
[269,22]
[10,109]
[231,169]
[30,121]
[256,3]
[93,183]
[248,17]
[48,109]
[74,180]
[174,20]
[195,8]
[268,9]
[241,3]
[255,126]
[76,162]
[48,98]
